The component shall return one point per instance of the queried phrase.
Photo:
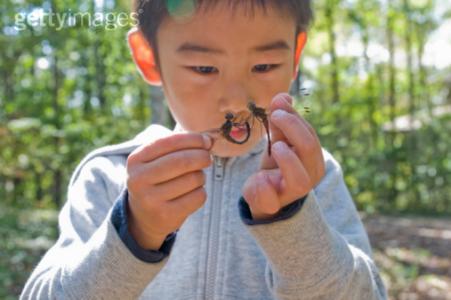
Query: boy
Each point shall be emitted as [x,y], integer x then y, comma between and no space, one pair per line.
[154,218]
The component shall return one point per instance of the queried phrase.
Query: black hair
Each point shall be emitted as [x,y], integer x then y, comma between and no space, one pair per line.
[151,13]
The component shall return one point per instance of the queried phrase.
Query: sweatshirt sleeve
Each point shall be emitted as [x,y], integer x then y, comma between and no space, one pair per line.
[322,251]
[89,259]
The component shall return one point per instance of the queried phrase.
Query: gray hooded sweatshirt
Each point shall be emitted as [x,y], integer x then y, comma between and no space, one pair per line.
[315,248]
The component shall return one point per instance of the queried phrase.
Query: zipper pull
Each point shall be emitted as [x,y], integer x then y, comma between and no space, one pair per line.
[219,168]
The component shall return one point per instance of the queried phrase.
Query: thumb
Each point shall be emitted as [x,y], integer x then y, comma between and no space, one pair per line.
[267,201]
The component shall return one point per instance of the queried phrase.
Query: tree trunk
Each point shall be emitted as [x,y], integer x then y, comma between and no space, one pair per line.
[330,22]
[57,173]
[424,88]
[391,72]
[100,75]
[409,62]
[392,102]
[371,97]
[39,191]
[412,144]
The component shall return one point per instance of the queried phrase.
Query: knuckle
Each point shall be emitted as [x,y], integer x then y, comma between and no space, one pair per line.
[155,168]
[309,146]
[131,182]
[151,197]
[321,172]
[131,159]
[162,214]
[199,178]
[308,185]
[292,120]
[201,195]
[301,190]
[161,142]
[192,160]
[272,209]
[205,157]
[310,127]
[195,179]
[251,200]
[184,160]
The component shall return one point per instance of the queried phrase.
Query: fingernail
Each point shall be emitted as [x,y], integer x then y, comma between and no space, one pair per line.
[207,141]
[278,114]
[279,147]
[288,99]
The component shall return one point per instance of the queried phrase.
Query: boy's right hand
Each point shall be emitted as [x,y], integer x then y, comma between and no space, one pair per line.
[165,185]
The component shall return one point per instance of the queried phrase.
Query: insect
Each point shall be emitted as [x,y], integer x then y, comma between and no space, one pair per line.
[256,113]
[305,93]
[227,127]
[232,122]
[260,114]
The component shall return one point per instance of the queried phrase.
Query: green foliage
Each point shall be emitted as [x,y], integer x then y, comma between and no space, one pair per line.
[385,170]
[25,235]
[67,90]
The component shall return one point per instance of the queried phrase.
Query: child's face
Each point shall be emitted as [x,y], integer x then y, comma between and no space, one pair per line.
[216,62]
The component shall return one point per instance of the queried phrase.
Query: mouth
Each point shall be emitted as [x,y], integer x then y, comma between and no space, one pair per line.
[239,131]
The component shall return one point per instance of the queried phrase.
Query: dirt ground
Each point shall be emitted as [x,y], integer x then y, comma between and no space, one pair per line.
[413,255]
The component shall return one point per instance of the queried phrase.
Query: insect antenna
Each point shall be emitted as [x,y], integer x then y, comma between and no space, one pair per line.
[304,92]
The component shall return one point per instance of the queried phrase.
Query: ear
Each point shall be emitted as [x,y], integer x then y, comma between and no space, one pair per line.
[301,39]
[144,57]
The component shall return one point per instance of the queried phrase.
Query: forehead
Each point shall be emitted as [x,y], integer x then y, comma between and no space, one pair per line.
[232,27]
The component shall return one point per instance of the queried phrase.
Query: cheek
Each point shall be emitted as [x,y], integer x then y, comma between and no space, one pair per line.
[268,88]
[280,79]
[192,110]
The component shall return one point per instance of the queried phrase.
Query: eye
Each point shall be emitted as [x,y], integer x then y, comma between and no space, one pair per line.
[264,68]
[204,70]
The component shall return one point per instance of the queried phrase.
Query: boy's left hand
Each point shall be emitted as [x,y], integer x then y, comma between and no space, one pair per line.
[295,166]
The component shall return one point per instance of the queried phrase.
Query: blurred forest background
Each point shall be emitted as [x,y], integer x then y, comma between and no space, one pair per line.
[379,77]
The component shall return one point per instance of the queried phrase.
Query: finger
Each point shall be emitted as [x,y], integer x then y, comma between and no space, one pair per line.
[282,101]
[267,201]
[249,190]
[178,186]
[292,169]
[305,144]
[188,203]
[308,126]
[295,132]
[316,168]
[163,146]
[175,164]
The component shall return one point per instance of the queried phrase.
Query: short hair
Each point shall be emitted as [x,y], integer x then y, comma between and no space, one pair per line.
[151,13]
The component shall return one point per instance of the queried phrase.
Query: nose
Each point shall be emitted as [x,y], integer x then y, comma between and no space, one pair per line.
[234,99]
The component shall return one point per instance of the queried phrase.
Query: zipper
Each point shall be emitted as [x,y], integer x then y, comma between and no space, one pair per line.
[213,231]
[219,168]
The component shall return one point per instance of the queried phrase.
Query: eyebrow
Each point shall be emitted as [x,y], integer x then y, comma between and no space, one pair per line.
[190,47]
